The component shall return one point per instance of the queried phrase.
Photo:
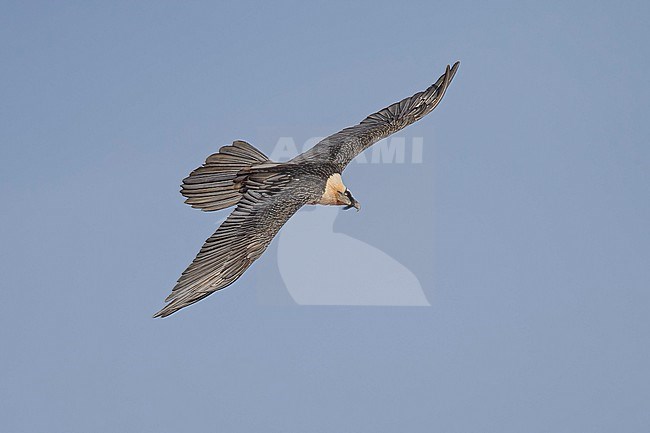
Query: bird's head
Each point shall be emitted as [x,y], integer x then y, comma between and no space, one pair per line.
[345,199]
[337,194]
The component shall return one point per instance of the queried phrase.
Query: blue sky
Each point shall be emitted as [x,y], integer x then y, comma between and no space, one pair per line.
[526,223]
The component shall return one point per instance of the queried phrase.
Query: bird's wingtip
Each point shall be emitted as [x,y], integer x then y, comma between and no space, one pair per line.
[160,314]
[453,69]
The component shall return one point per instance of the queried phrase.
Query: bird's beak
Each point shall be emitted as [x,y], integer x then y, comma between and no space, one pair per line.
[353,204]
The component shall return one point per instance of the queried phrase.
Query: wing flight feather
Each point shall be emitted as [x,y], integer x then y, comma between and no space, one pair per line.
[342,147]
[237,243]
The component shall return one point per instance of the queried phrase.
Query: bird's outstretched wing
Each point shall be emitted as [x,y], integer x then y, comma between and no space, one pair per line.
[238,242]
[342,147]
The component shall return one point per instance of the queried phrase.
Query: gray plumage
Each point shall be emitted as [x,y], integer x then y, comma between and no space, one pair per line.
[266,194]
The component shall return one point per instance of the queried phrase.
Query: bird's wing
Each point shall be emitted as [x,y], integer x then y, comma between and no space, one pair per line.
[342,147]
[238,242]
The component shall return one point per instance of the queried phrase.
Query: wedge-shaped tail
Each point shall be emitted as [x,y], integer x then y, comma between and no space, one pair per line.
[212,186]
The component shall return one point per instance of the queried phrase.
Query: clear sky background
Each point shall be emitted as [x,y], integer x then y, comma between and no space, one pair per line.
[530,237]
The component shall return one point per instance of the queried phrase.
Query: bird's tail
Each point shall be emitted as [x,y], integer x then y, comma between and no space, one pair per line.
[212,186]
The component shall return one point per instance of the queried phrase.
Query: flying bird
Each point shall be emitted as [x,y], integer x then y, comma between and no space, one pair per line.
[266,193]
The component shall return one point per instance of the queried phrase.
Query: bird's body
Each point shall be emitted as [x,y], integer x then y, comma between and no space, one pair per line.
[266,194]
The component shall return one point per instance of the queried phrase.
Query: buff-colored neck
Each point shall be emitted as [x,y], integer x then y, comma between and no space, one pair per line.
[333,187]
